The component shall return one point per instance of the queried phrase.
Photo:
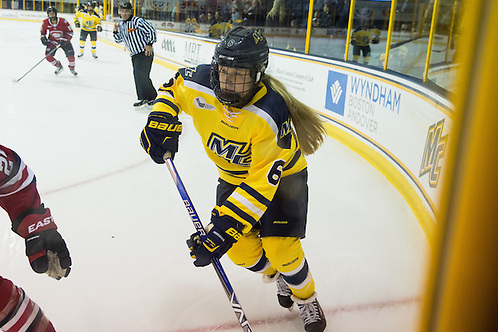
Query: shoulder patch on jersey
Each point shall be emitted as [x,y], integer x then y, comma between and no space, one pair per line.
[275,108]
[200,74]
[200,102]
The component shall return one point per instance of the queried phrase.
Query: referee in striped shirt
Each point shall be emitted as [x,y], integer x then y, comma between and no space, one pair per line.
[138,36]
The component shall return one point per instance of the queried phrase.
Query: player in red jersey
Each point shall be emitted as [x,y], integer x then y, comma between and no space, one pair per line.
[59,33]
[46,249]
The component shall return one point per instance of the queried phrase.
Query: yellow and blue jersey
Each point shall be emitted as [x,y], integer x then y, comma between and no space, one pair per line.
[89,21]
[253,147]
[364,36]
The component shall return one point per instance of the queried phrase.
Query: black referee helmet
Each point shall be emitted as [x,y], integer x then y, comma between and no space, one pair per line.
[125,5]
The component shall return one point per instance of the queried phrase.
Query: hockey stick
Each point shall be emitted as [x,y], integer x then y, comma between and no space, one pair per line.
[51,52]
[237,308]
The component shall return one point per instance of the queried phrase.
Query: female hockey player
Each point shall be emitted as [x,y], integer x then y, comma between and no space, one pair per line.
[45,247]
[59,33]
[90,25]
[257,135]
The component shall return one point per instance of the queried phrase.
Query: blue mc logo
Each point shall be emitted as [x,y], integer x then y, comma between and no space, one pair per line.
[335,95]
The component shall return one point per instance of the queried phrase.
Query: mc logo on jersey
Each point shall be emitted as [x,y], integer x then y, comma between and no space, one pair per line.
[335,96]
[238,153]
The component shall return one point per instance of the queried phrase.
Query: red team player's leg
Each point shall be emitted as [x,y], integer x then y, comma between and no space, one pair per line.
[18,312]
[72,62]
[57,64]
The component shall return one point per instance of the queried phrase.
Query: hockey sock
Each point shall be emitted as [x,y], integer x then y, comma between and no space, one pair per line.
[82,46]
[300,281]
[52,60]
[18,312]
[287,256]
[262,266]
[94,46]
[71,60]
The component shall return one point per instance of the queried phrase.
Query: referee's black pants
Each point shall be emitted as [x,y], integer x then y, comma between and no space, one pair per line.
[142,65]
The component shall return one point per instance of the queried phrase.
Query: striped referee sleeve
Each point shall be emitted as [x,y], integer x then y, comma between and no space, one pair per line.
[136,33]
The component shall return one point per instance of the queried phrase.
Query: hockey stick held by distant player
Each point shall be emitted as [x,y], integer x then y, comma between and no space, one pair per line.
[237,308]
[51,52]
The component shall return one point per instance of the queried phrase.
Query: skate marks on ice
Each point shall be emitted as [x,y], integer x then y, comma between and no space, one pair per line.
[343,318]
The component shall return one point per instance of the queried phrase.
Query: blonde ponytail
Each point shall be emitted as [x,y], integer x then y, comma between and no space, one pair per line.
[307,124]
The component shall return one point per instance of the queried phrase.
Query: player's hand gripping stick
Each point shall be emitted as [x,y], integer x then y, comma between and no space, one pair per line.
[237,308]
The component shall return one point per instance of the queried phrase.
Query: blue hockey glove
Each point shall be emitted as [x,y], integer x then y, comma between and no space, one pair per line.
[223,232]
[160,135]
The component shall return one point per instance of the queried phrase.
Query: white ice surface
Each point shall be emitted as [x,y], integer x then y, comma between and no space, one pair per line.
[126,226]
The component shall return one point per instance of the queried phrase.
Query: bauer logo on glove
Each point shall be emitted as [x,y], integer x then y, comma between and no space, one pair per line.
[222,233]
[169,127]
[160,135]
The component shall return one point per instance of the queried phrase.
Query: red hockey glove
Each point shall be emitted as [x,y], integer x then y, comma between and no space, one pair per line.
[160,135]
[46,249]
[222,233]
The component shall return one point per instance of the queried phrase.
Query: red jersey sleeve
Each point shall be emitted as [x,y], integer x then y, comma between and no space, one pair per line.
[18,191]
[68,31]
[44,28]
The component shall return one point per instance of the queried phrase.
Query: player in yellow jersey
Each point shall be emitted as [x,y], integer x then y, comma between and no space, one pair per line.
[361,39]
[98,9]
[90,24]
[79,7]
[257,134]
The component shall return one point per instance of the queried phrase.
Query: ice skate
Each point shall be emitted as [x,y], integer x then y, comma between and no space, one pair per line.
[73,72]
[311,313]
[140,102]
[59,68]
[283,291]
[80,55]
[95,56]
